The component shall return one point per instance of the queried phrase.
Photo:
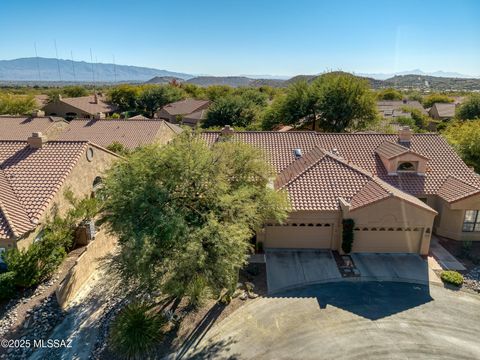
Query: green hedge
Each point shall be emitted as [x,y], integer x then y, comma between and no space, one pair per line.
[452,277]
[7,285]
[347,235]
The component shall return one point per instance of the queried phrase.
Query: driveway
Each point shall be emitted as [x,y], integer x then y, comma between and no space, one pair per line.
[350,320]
[294,268]
[393,267]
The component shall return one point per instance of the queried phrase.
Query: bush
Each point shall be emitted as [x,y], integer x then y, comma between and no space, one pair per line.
[452,277]
[136,330]
[7,285]
[347,235]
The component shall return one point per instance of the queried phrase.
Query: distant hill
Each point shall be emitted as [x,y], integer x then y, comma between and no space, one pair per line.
[163,80]
[234,81]
[432,83]
[27,69]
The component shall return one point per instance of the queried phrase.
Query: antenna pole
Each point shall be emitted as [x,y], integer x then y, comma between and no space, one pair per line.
[38,61]
[73,67]
[114,69]
[58,61]
[93,72]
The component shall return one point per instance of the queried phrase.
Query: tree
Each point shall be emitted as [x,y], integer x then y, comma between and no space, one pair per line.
[215,92]
[465,138]
[118,148]
[470,109]
[184,213]
[344,102]
[75,91]
[16,104]
[154,97]
[125,97]
[230,110]
[436,98]
[390,94]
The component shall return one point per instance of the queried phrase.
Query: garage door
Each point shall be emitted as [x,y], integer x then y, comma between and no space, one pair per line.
[387,240]
[304,236]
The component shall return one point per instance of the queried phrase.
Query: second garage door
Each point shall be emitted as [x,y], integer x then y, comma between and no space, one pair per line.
[301,236]
[387,240]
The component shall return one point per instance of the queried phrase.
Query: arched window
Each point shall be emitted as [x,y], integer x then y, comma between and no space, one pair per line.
[406,166]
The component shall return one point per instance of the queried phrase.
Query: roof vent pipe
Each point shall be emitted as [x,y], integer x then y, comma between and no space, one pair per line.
[297,153]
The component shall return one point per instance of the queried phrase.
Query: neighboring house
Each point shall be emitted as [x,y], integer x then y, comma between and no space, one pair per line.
[138,117]
[442,111]
[21,127]
[41,100]
[87,107]
[392,109]
[189,112]
[34,175]
[131,133]
[398,188]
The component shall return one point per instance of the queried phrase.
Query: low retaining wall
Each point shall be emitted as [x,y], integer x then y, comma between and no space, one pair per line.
[85,266]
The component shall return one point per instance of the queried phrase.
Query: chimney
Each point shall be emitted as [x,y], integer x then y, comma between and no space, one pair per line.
[37,140]
[227,130]
[405,135]
[95,98]
[38,113]
[99,115]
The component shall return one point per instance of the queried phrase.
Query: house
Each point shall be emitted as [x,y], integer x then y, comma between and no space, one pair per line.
[34,175]
[398,189]
[442,111]
[189,112]
[21,127]
[391,109]
[88,107]
[131,133]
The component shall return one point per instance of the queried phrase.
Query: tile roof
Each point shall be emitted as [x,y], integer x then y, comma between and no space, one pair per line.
[445,110]
[184,107]
[389,107]
[131,133]
[21,127]
[454,189]
[88,105]
[29,180]
[359,164]
[138,117]
[390,150]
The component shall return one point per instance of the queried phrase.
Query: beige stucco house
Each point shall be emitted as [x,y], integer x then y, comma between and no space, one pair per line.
[442,111]
[189,112]
[86,107]
[34,175]
[398,189]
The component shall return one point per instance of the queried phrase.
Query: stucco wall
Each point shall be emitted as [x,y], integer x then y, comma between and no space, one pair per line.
[88,262]
[79,181]
[61,109]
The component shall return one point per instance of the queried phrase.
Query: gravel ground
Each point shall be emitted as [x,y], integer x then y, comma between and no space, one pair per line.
[472,279]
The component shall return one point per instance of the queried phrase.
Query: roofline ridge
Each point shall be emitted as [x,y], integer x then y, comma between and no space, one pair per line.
[4,210]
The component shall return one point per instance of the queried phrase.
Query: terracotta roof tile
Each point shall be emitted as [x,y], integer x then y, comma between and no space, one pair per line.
[30,178]
[88,105]
[454,189]
[21,127]
[185,107]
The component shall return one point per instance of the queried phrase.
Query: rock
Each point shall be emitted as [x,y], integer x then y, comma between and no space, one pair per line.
[244,296]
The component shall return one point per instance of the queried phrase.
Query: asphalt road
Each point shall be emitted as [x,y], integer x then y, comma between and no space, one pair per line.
[350,320]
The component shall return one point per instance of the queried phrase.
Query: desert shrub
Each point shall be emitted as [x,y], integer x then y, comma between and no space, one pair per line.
[347,235]
[136,330]
[452,277]
[7,285]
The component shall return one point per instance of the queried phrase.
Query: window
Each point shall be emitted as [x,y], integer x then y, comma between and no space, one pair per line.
[471,221]
[406,166]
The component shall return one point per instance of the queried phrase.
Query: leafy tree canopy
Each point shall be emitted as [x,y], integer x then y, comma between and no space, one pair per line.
[436,98]
[125,97]
[16,104]
[185,213]
[236,110]
[389,94]
[154,97]
[465,137]
[470,109]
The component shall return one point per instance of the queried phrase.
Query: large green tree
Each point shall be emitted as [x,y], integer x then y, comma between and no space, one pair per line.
[470,109]
[185,213]
[431,99]
[125,97]
[465,137]
[16,104]
[154,97]
[345,102]
[231,110]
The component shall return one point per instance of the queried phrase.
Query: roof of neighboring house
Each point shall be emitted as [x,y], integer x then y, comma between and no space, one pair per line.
[21,127]
[195,117]
[138,117]
[340,165]
[445,110]
[185,107]
[88,105]
[41,100]
[29,180]
[131,133]
[395,107]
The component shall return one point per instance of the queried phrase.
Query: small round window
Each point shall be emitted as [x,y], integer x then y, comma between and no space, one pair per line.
[90,154]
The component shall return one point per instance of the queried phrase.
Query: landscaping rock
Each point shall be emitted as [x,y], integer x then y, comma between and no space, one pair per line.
[471,279]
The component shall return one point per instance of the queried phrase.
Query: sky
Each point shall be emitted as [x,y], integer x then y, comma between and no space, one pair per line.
[234,37]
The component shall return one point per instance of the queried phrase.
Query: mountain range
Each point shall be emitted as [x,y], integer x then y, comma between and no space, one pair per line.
[47,71]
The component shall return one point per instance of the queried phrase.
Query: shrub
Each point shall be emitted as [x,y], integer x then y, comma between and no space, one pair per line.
[136,330]
[452,277]
[347,235]
[7,285]
[466,247]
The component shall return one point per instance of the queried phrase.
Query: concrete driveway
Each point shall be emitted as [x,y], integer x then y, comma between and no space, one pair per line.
[294,268]
[350,320]
[393,267]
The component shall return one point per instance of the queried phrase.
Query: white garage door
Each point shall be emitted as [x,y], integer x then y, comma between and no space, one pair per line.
[304,236]
[387,240]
